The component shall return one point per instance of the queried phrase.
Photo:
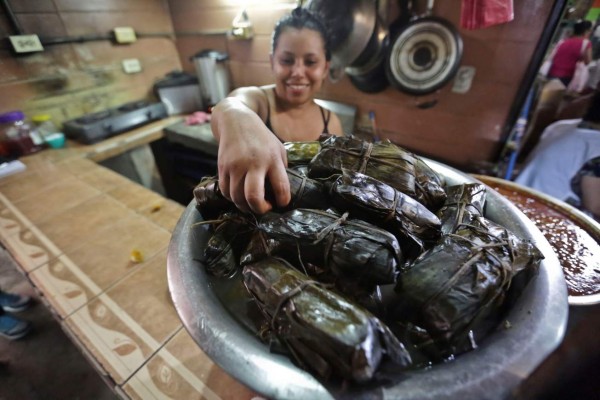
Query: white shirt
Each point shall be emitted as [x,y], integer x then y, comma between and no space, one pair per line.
[562,151]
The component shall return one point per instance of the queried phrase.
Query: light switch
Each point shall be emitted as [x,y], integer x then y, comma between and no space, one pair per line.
[125,34]
[131,65]
[26,43]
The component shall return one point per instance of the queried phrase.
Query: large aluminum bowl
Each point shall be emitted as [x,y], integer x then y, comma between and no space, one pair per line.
[492,371]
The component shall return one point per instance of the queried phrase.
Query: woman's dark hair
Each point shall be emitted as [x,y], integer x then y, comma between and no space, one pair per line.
[301,18]
[581,27]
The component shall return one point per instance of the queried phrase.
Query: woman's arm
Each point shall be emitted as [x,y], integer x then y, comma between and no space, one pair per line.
[590,189]
[249,154]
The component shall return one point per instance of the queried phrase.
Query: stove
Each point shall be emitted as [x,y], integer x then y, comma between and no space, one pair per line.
[91,128]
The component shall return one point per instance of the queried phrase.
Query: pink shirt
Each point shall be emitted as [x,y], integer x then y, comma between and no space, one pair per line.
[566,56]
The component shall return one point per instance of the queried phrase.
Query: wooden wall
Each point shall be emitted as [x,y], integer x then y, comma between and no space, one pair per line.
[72,79]
[68,80]
[461,129]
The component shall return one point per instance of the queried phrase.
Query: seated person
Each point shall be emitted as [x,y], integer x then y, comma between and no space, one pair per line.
[566,162]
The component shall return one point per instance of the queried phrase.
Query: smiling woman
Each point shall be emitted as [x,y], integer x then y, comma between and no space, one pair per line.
[252,123]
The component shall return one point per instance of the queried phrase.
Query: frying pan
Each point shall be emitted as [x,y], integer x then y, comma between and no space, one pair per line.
[424,55]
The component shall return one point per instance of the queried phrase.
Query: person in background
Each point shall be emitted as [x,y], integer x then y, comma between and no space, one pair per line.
[565,163]
[570,51]
[11,327]
[252,123]
[595,39]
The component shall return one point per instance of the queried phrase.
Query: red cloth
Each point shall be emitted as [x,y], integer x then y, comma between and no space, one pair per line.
[477,14]
[566,56]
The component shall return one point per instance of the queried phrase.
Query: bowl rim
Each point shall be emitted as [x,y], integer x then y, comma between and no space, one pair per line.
[587,223]
[538,322]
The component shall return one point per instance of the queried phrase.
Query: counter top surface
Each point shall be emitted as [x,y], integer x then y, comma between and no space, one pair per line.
[72,226]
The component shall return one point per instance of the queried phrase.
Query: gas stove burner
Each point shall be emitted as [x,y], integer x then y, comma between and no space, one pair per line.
[88,119]
[134,105]
[94,127]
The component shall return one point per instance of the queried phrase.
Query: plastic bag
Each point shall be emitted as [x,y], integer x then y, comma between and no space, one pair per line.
[477,14]
[580,78]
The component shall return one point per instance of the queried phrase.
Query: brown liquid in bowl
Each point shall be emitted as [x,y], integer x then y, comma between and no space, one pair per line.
[577,251]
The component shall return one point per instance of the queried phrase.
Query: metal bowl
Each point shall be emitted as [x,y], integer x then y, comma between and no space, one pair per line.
[503,360]
[568,212]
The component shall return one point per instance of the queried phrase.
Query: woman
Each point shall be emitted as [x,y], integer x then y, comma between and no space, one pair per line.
[566,162]
[569,52]
[252,123]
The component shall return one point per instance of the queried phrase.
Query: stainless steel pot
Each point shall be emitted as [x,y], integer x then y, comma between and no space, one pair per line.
[224,330]
[350,28]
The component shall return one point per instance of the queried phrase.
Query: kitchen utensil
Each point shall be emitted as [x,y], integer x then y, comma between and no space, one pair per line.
[349,29]
[179,92]
[367,73]
[213,76]
[571,228]
[424,55]
[93,127]
[223,327]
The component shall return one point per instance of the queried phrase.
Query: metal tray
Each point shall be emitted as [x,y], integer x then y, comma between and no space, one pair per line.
[492,371]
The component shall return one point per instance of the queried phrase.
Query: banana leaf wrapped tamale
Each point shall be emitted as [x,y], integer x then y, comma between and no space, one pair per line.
[300,153]
[305,192]
[210,202]
[371,200]
[323,331]
[429,186]
[226,244]
[383,161]
[463,205]
[330,242]
[456,289]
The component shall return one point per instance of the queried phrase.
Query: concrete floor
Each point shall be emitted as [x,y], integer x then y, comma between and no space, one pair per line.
[45,364]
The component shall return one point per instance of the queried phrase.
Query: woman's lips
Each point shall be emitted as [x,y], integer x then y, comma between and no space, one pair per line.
[297,87]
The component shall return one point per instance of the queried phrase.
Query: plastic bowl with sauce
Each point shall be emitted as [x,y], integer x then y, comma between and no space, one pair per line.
[574,236]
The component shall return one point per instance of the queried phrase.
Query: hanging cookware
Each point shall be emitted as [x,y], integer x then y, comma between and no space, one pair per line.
[367,72]
[349,29]
[425,54]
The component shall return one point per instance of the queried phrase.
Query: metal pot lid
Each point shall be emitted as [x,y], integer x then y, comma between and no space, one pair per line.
[424,56]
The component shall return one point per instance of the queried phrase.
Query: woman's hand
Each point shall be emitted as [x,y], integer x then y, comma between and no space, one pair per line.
[250,157]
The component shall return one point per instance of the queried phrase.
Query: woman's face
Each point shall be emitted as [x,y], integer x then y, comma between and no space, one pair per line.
[299,64]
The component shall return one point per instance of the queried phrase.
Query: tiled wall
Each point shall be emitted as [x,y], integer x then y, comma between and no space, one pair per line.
[72,79]
[68,80]
[461,129]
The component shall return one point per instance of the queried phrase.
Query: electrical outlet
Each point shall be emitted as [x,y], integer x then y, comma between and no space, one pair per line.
[131,65]
[125,34]
[26,43]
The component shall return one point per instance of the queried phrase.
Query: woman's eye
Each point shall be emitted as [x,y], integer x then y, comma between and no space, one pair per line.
[287,61]
[310,62]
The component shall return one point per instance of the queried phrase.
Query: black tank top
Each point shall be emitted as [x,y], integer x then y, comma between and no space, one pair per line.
[325,114]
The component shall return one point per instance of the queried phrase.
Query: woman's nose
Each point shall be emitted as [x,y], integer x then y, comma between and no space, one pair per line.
[298,68]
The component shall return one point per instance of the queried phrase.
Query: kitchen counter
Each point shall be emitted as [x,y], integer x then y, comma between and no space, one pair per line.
[94,246]
[75,227]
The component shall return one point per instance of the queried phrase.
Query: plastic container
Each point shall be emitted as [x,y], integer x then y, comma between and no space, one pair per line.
[44,125]
[17,135]
[55,140]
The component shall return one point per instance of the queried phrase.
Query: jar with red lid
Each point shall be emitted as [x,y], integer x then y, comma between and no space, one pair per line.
[16,135]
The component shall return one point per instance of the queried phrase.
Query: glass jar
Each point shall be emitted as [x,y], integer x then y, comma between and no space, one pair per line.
[44,125]
[16,134]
